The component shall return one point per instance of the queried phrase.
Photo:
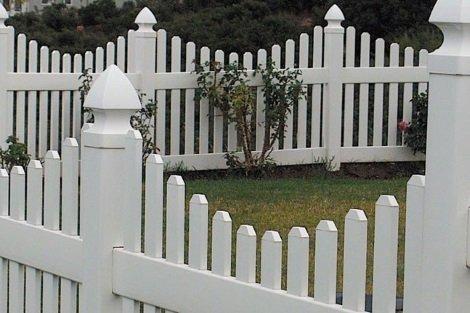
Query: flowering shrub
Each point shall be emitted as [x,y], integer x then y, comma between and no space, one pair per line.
[415,133]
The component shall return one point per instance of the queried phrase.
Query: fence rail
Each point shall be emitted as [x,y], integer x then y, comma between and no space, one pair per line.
[355,97]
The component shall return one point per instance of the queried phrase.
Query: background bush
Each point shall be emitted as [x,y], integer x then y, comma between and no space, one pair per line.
[230,25]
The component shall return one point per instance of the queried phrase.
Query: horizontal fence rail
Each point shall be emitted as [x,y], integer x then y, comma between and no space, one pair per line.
[355,98]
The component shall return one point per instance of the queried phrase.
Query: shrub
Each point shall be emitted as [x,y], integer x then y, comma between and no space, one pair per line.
[227,89]
[15,155]
[415,133]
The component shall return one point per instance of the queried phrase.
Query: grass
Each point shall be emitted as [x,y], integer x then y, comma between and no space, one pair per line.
[279,204]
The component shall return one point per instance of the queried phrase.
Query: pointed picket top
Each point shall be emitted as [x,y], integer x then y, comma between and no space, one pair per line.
[176,180]
[145,19]
[300,232]
[356,214]
[326,225]
[385,200]
[450,11]
[246,230]
[334,16]
[3,173]
[18,170]
[35,164]
[222,216]
[112,91]
[272,236]
[198,199]
[70,142]
[155,159]
[417,180]
[3,15]
[52,154]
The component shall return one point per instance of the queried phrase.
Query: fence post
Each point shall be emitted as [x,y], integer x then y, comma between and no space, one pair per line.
[144,41]
[446,278]
[6,59]
[334,46]
[104,185]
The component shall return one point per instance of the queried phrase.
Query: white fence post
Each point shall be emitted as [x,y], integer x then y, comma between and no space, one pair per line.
[144,41]
[113,100]
[446,278]
[334,46]
[6,59]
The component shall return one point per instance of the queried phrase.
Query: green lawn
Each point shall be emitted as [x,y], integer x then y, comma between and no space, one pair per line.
[279,204]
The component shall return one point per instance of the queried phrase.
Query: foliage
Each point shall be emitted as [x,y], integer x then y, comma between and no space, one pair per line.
[15,155]
[142,120]
[415,133]
[227,88]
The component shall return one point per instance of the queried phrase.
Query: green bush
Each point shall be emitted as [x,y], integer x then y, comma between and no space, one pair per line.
[415,133]
[15,155]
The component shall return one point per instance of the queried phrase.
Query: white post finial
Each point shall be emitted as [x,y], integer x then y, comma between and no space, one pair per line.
[112,97]
[3,15]
[145,19]
[445,228]
[334,16]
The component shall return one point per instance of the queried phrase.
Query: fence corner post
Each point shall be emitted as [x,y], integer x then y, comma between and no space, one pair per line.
[5,58]
[104,183]
[445,276]
[334,47]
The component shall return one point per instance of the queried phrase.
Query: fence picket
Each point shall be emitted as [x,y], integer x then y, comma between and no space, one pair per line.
[198,232]
[18,193]
[70,186]
[99,60]
[204,109]
[231,127]
[326,245]
[271,260]
[260,105]
[52,190]
[189,102]
[297,262]
[16,288]
[378,95]
[364,93]
[355,253]
[414,243]
[55,100]
[175,219]
[246,254]
[423,62]
[4,285]
[110,54]
[33,291]
[385,254]
[218,132]
[317,89]
[50,293]
[66,100]
[77,104]
[276,59]
[302,107]
[154,206]
[393,98]
[121,53]
[408,87]
[43,103]
[175,123]
[4,192]
[161,94]
[289,63]
[32,99]
[349,88]
[221,244]
[248,65]
[35,194]
[21,95]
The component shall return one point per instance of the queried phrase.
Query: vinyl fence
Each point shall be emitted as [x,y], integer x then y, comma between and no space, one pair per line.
[73,238]
[102,264]
[350,113]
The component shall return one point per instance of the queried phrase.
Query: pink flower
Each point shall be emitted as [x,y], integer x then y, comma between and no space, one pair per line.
[80,28]
[403,126]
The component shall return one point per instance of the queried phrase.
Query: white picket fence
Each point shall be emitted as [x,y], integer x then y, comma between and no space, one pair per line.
[72,236]
[350,113]
[105,269]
